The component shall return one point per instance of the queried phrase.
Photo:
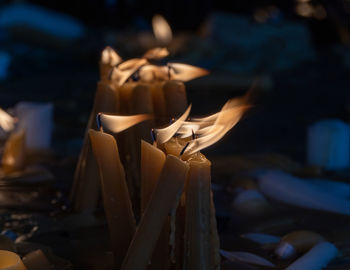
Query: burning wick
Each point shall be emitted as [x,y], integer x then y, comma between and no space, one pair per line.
[153,135]
[99,123]
[184,149]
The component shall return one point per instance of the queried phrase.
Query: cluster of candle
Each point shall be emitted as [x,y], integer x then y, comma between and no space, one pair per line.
[174,207]
[135,86]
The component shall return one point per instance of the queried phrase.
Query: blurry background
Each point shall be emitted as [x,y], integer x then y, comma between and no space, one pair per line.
[298,50]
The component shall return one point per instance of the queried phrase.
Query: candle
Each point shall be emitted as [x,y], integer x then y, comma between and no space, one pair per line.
[135,99]
[10,261]
[85,192]
[116,198]
[14,155]
[164,197]
[36,260]
[152,162]
[198,240]
[175,98]
[158,100]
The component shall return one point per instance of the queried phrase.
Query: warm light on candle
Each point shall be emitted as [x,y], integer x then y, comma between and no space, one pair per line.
[161,29]
[117,123]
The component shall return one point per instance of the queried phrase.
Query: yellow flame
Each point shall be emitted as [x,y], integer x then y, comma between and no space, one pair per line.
[118,123]
[161,29]
[165,134]
[225,121]
[156,54]
[7,122]
[184,72]
[110,57]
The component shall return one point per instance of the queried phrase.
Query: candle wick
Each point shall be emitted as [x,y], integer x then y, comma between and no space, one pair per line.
[184,149]
[99,123]
[153,135]
[169,74]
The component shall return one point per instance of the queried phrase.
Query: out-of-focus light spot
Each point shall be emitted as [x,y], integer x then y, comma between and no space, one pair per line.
[304,9]
[261,15]
[320,12]
[303,1]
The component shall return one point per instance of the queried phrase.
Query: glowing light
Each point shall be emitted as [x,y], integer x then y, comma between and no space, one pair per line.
[109,56]
[161,29]
[156,54]
[117,123]
[184,72]
[304,9]
[165,134]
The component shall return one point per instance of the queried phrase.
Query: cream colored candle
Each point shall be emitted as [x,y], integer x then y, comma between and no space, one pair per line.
[152,162]
[14,155]
[135,99]
[36,260]
[199,249]
[85,192]
[158,101]
[164,197]
[115,193]
[175,98]
[109,59]
[10,261]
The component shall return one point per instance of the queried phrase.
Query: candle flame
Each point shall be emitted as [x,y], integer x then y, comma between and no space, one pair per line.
[207,130]
[156,54]
[184,72]
[110,57]
[161,29]
[118,123]
[7,122]
[165,134]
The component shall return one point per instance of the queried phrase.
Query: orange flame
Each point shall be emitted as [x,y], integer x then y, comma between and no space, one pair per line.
[207,130]
[161,29]
[110,56]
[184,72]
[7,122]
[165,134]
[156,54]
[117,123]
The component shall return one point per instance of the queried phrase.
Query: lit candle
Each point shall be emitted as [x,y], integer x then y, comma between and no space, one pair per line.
[199,248]
[152,162]
[10,261]
[14,155]
[116,198]
[164,197]
[85,192]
